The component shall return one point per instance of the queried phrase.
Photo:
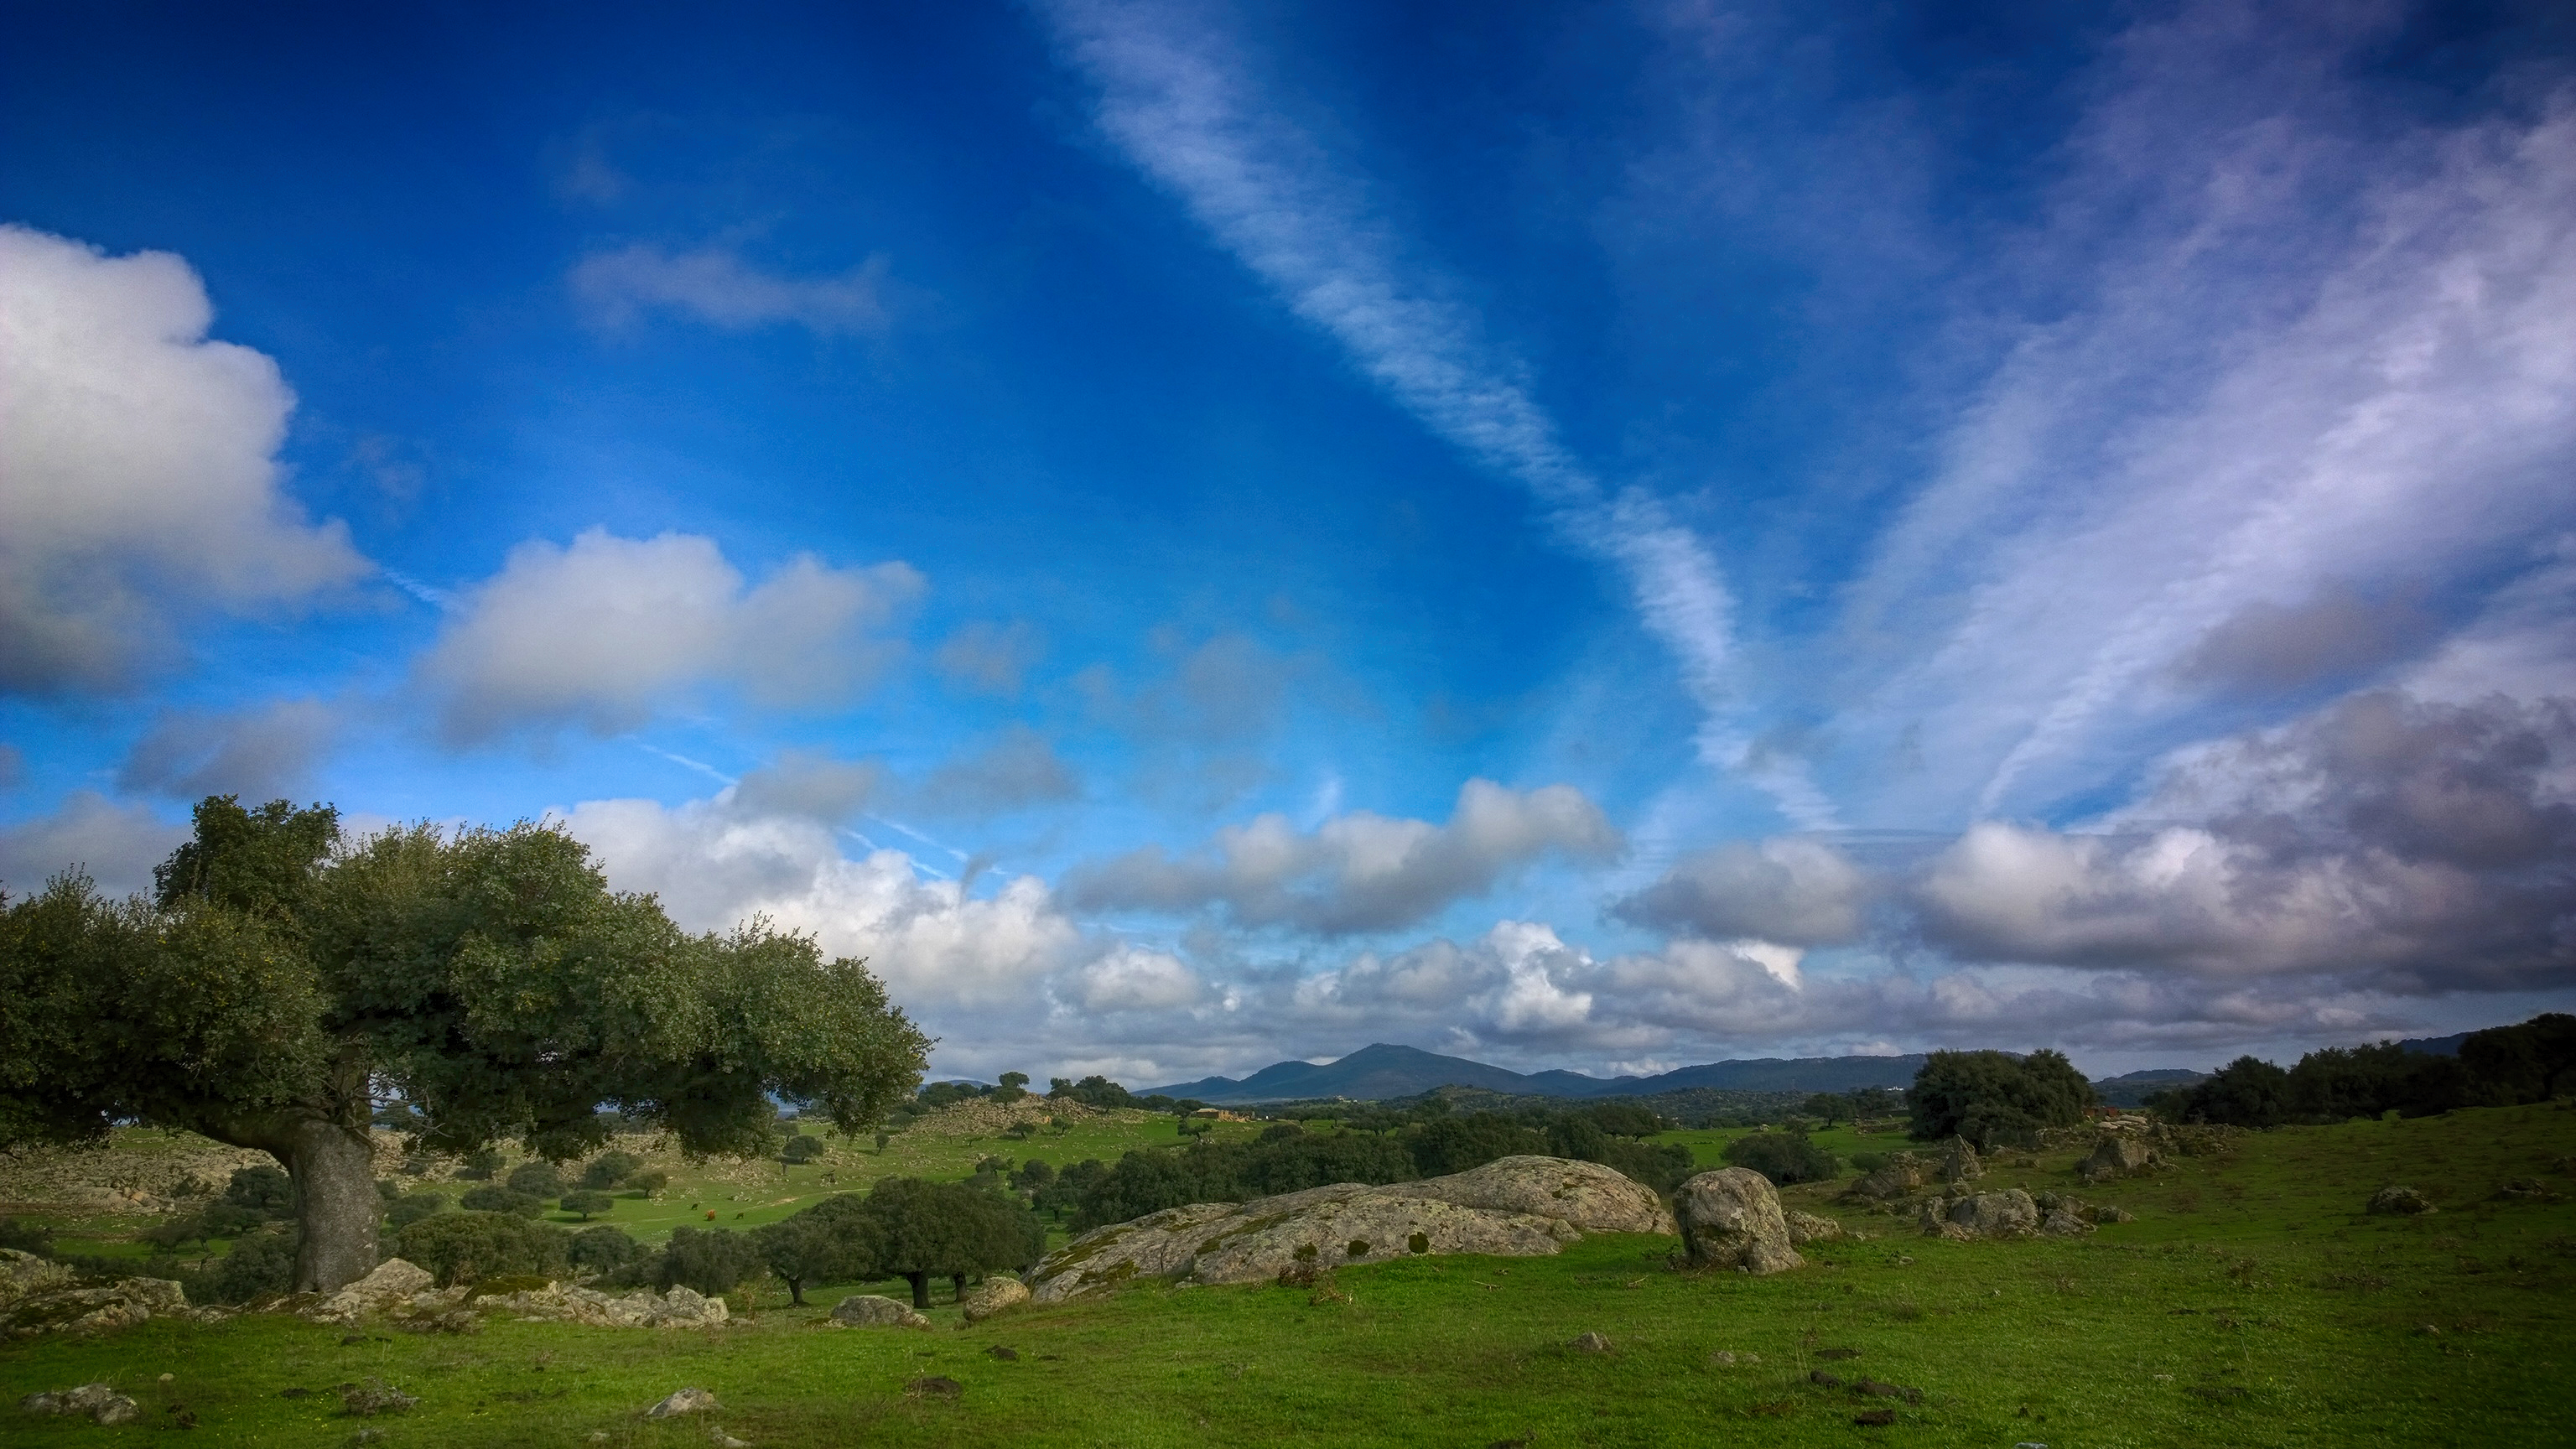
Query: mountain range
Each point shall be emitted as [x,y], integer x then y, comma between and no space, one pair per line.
[1374,1073]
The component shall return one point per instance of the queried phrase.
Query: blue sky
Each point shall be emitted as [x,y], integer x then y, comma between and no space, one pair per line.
[1601,536]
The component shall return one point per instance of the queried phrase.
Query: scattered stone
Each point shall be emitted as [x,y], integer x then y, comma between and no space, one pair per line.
[1874,1418]
[393,1281]
[1901,1176]
[994,1295]
[933,1386]
[2523,1187]
[375,1397]
[49,1300]
[101,1402]
[1012,1355]
[1837,1353]
[560,1303]
[1888,1391]
[2401,1202]
[1589,1342]
[2063,1224]
[2118,1155]
[686,1401]
[2109,1214]
[1822,1379]
[24,1275]
[870,1310]
[723,1440]
[1512,1207]
[1984,1215]
[1959,1162]
[1805,1228]
[1731,1218]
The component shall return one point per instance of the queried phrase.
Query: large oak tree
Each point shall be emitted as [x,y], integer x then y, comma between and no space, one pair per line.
[284,980]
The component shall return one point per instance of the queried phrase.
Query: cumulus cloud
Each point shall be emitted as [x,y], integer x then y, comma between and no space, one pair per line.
[1135,979]
[1784,889]
[1016,771]
[1358,871]
[138,467]
[260,754]
[716,286]
[809,786]
[596,635]
[716,862]
[117,845]
[2420,846]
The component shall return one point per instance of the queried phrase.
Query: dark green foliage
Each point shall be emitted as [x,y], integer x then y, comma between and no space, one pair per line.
[837,1240]
[494,1199]
[1457,1143]
[602,1249]
[588,1204]
[1065,1194]
[26,1237]
[802,1148]
[710,1260]
[1033,1176]
[943,1094]
[465,1247]
[1159,1178]
[480,1164]
[1015,1085]
[2500,1066]
[951,1230]
[1783,1157]
[1993,1098]
[1624,1119]
[2247,1092]
[412,1207]
[609,1169]
[1828,1107]
[1868,1161]
[1661,1166]
[389,1190]
[1092,1091]
[537,1179]
[650,1181]
[261,1262]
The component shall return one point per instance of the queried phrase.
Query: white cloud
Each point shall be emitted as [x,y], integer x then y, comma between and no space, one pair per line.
[116,844]
[716,286]
[1018,770]
[138,467]
[1358,871]
[1134,979]
[1783,889]
[715,863]
[598,634]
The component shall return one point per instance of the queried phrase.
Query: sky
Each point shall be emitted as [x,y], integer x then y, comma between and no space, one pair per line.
[1603,536]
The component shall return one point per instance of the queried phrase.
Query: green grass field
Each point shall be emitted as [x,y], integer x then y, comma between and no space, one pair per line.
[2251,1304]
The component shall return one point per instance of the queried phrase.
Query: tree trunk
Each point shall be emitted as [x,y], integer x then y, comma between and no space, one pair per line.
[334,1167]
[920,1290]
[957,1287]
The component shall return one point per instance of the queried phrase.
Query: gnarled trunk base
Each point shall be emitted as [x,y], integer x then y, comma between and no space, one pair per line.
[334,1168]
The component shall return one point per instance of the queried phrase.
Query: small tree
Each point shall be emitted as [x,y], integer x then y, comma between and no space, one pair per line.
[537,1179]
[464,1247]
[837,1240]
[801,1149]
[412,1207]
[1991,1097]
[949,1230]
[480,1164]
[609,1169]
[1619,1119]
[1015,1085]
[282,979]
[710,1260]
[1783,1157]
[587,1204]
[603,1249]
[491,1199]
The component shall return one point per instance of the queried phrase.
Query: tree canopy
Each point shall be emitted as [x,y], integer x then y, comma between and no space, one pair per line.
[283,978]
[1993,1098]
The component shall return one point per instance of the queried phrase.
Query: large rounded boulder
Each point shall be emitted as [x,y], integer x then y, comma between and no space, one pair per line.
[1731,1218]
[1587,1195]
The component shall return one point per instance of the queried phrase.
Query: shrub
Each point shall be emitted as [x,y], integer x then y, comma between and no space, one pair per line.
[1093,1091]
[602,1249]
[264,1190]
[466,1247]
[491,1199]
[26,1237]
[609,1169]
[1783,1157]
[1624,1119]
[261,1262]
[1455,1144]
[837,1239]
[1993,1098]
[803,1147]
[537,1179]
[587,1204]
[1868,1161]
[412,1207]
[651,1182]
[710,1260]
[480,1164]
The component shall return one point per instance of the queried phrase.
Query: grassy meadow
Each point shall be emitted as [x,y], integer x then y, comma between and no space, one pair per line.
[2251,1303]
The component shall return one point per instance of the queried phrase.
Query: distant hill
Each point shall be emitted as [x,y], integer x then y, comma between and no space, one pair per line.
[1381,1071]
[2130,1089]
[2437,1046]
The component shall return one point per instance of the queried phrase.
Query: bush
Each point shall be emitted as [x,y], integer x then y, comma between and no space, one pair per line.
[480,1164]
[651,1182]
[537,1179]
[802,1148]
[1094,1091]
[26,1237]
[710,1260]
[1783,1157]
[466,1247]
[412,1207]
[1455,1144]
[262,1262]
[1868,1161]
[588,1204]
[264,1190]
[602,1249]
[491,1199]
[1994,1098]
[1624,1119]
[836,1240]
[609,1169]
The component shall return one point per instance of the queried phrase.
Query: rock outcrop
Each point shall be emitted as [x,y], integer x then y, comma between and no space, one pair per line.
[2118,1155]
[39,1297]
[1982,1215]
[1901,1176]
[560,1303]
[1514,1207]
[993,1295]
[393,1281]
[101,1402]
[1731,1218]
[1959,1162]
[2404,1202]
[870,1310]
[1805,1228]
